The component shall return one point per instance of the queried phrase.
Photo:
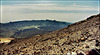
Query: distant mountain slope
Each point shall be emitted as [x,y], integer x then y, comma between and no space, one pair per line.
[22,29]
[80,37]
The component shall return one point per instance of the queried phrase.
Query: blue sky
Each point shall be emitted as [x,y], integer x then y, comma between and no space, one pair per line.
[61,10]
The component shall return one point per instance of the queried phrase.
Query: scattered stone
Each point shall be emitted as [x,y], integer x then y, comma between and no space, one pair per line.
[87,46]
[74,53]
[83,39]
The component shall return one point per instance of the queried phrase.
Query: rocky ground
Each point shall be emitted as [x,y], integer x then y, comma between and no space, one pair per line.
[79,38]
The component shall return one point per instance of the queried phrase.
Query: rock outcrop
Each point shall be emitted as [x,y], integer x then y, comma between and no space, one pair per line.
[79,38]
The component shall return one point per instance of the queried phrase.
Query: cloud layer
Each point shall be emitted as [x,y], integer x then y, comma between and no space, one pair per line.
[58,11]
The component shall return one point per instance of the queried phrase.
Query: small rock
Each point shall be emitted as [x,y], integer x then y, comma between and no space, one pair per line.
[87,47]
[74,53]
[68,54]
[82,39]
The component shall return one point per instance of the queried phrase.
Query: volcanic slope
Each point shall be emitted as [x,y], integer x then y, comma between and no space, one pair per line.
[81,36]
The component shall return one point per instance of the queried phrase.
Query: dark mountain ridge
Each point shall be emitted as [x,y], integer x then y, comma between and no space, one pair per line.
[22,29]
[33,22]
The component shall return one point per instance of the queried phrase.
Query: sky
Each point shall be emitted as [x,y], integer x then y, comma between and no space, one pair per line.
[60,10]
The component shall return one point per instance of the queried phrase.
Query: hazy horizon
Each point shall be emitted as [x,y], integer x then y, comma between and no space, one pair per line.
[67,11]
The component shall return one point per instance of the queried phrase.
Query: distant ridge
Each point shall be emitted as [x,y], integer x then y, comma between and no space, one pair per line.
[32,21]
[22,29]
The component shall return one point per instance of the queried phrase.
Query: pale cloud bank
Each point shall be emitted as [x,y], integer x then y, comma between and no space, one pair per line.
[16,12]
[48,7]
